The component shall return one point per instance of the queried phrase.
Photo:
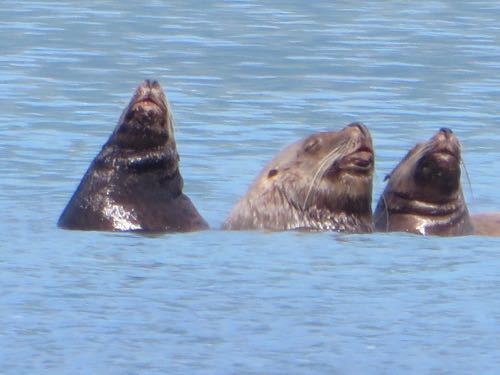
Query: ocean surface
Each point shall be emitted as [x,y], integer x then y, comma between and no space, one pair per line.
[244,79]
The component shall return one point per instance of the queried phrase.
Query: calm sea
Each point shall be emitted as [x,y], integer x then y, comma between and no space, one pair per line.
[244,78]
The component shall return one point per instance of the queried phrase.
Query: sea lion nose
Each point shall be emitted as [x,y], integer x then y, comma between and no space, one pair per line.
[446,131]
[362,128]
[151,83]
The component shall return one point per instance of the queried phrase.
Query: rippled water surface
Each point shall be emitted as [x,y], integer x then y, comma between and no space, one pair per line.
[244,79]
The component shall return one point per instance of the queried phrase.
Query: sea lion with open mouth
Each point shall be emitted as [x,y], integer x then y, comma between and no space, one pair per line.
[134,183]
[423,193]
[323,182]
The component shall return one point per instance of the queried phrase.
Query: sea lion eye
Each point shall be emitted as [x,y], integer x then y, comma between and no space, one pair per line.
[312,145]
[273,172]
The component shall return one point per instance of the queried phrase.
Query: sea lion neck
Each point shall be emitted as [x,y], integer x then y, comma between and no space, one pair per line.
[160,161]
[350,215]
[417,204]
[404,213]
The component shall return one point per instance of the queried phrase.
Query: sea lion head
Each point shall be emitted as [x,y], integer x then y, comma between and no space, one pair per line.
[423,193]
[339,169]
[144,138]
[430,170]
[323,182]
[147,121]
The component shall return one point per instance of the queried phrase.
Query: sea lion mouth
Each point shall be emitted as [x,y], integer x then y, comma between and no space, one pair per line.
[147,104]
[442,161]
[445,149]
[359,161]
[147,110]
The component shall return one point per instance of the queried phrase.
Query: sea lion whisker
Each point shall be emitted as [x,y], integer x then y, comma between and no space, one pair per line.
[386,210]
[170,123]
[321,171]
[424,150]
[315,176]
[467,177]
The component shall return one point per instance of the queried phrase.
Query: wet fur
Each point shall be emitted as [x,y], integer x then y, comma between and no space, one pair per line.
[304,187]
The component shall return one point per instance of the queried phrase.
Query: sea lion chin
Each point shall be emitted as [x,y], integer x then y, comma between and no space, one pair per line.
[323,182]
[134,183]
[423,193]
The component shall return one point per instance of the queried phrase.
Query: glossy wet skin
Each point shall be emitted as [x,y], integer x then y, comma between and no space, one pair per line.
[423,193]
[323,182]
[134,183]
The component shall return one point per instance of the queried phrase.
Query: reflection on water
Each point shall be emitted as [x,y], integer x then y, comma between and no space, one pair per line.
[244,79]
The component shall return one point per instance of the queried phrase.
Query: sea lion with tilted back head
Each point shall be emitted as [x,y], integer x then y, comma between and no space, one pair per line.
[134,183]
[423,193]
[323,182]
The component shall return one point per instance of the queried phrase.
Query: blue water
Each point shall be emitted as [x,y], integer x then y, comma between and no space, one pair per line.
[244,79]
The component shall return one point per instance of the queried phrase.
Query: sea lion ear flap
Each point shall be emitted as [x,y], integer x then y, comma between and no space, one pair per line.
[387,176]
[273,172]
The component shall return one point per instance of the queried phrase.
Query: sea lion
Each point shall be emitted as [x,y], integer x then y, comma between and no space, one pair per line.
[134,183]
[323,182]
[423,193]
[486,224]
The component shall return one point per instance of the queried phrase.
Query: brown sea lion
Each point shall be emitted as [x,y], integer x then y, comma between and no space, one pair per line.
[134,183]
[423,193]
[323,182]
[486,224]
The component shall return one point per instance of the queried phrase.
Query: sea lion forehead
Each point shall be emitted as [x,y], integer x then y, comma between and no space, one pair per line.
[317,145]
[354,131]
[413,152]
[296,153]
